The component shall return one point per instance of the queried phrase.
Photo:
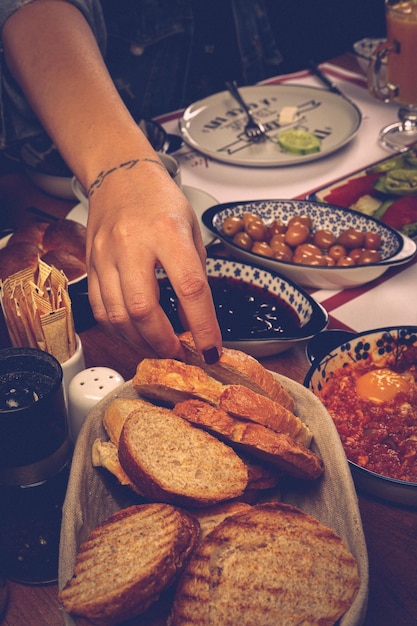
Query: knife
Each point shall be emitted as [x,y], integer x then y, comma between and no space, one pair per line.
[325,80]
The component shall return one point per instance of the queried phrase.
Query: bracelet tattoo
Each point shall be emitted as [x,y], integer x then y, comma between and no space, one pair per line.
[96,184]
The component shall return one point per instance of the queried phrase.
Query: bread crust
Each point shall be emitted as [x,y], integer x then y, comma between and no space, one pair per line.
[127,561]
[172,461]
[238,368]
[272,564]
[278,449]
[171,381]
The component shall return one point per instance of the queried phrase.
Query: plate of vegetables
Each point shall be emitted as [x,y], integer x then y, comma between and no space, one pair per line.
[386,190]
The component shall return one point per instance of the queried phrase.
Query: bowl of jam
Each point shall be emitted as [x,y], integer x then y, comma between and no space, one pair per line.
[259,311]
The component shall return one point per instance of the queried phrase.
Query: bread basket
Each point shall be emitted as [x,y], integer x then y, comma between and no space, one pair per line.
[93,495]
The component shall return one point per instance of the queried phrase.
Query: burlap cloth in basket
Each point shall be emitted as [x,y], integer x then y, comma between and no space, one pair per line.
[93,495]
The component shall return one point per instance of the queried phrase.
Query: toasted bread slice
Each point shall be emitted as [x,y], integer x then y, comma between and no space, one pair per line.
[249,405]
[272,564]
[238,368]
[126,562]
[117,411]
[172,461]
[171,381]
[280,450]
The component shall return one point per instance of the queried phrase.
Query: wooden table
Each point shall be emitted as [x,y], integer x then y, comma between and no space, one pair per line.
[390,531]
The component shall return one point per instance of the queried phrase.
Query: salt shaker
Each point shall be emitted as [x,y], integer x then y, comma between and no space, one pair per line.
[85,390]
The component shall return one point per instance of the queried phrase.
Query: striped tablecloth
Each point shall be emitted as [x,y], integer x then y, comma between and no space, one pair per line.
[390,300]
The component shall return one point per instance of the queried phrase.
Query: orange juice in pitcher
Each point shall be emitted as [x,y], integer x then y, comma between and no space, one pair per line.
[401,20]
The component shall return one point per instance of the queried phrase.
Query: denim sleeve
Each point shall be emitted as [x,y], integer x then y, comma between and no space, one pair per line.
[17,120]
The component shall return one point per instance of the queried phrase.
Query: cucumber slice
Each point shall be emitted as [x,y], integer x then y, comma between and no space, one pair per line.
[299,141]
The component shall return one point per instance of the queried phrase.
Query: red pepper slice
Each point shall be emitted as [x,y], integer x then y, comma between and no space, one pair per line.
[350,192]
[401,212]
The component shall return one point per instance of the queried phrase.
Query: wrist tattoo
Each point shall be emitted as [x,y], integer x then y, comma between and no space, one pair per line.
[127,165]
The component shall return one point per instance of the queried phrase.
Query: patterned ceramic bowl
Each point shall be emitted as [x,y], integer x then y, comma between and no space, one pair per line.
[395,248]
[396,348]
[259,311]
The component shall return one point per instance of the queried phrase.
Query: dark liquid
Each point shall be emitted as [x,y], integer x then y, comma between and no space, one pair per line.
[30,522]
[21,389]
[243,311]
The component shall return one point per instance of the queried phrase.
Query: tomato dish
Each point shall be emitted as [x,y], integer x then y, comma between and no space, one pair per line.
[375,412]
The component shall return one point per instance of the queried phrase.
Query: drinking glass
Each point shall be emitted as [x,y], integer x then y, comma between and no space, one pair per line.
[399,82]
[35,454]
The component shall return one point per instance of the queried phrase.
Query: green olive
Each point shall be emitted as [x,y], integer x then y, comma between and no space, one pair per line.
[232,225]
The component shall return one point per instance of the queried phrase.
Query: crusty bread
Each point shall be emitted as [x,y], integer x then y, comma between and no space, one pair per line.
[238,368]
[127,561]
[278,449]
[117,411]
[272,564]
[171,381]
[249,405]
[172,461]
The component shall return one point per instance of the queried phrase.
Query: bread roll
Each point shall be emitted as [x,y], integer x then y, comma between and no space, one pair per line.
[18,257]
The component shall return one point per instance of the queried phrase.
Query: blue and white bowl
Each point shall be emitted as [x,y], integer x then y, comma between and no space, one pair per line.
[312,317]
[396,248]
[382,345]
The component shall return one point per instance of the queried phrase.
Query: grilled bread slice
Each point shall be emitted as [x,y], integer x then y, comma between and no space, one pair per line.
[238,368]
[127,561]
[272,564]
[172,381]
[172,461]
[278,449]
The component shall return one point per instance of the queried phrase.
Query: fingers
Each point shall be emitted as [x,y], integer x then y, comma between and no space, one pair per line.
[124,291]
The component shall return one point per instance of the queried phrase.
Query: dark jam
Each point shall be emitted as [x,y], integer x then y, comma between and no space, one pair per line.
[243,311]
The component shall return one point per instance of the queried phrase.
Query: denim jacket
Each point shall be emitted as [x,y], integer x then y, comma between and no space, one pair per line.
[148,46]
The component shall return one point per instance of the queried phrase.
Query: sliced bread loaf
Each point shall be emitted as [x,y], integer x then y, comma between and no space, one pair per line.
[278,449]
[238,368]
[172,461]
[171,381]
[127,561]
[272,564]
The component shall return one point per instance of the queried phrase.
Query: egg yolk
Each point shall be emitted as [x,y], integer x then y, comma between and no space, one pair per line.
[381,385]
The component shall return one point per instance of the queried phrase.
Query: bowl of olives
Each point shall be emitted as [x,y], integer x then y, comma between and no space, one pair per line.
[314,244]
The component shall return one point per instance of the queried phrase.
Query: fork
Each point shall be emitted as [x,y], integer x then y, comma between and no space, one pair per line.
[254,131]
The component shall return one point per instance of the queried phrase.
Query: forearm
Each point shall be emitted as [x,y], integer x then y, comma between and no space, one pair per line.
[53,55]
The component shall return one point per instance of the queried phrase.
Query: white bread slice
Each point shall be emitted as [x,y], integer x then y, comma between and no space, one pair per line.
[105,454]
[272,564]
[278,449]
[238,368]
[171,381]
[172,461]
[127,561]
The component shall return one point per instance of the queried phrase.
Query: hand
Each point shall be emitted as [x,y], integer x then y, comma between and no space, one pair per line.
[138,220]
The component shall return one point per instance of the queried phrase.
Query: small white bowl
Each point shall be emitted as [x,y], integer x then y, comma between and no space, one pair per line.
[396,248]
[382,345]
[364,49]
[304,316]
